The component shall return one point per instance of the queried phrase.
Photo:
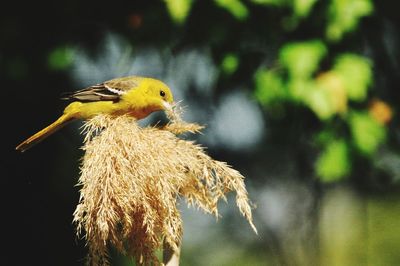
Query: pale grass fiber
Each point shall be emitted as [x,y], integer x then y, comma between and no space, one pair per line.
[131,179]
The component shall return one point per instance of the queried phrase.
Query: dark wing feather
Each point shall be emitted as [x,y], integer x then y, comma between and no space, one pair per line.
[111,90]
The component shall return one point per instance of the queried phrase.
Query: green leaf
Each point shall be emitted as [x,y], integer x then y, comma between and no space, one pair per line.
[235,7]
[269,87]
[302,8]
[179,9]
[302,59]
[315,98]
[356,74]
[320,102]
[299,89]
[324,136]
[334,162]
[60,58]
[270,2]
[344,16]
[367,133]
[230,63]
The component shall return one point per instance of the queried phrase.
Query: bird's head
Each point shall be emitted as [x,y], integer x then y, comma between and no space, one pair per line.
[160,94]
[148,96]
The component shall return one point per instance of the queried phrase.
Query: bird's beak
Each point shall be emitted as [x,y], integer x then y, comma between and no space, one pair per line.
[167,105]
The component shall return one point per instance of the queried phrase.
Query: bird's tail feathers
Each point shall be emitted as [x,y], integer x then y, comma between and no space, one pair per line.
[44,133]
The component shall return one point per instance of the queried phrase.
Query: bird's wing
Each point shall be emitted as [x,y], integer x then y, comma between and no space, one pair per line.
[110,90]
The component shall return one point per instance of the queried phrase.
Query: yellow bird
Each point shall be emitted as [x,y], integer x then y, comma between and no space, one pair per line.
[132,95]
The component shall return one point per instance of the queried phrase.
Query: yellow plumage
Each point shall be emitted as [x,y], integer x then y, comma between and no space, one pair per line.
[133,95]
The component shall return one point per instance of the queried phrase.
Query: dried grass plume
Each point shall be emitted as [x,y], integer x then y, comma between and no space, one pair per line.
[131,178]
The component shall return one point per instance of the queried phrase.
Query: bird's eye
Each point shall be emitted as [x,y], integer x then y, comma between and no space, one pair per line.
[162,93]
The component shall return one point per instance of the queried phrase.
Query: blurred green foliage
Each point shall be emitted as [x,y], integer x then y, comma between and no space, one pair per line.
[298,77]
[334,161]
[178,9]
[344,16]
[303,7]
[356,75]
[60,58]
[367,133]
[310,73]
[276,91]
[235,7]
[230,63]
[302,59]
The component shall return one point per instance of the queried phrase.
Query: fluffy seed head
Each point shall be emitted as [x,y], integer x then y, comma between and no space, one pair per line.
[131,178]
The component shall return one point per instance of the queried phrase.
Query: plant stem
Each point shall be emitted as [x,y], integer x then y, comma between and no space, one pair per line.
[170,257]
